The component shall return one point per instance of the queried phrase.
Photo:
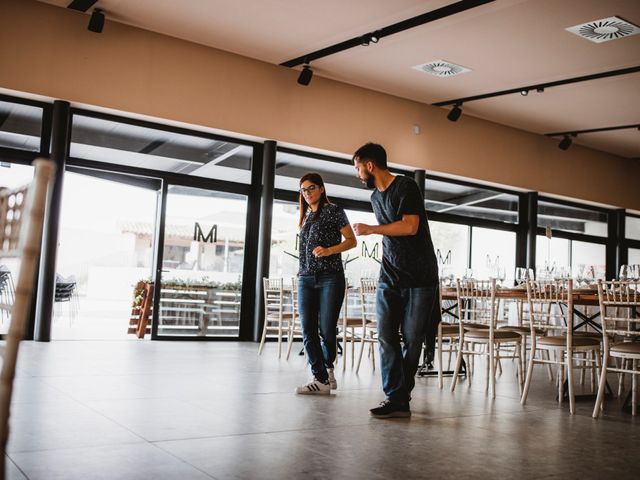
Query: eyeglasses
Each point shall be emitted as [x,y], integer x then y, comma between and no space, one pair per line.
[309,189]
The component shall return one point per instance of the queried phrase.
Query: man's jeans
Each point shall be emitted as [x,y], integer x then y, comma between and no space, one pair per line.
[320,298]
[408,311]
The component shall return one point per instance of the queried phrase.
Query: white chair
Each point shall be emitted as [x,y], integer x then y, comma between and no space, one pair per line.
[295,328]
[619,311]
[478,314]
[275,318]
[368,327]
[448,335]
[564,347]
[21,217]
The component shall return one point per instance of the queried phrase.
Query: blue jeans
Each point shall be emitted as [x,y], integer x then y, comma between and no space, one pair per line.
[319,301]
[408,311]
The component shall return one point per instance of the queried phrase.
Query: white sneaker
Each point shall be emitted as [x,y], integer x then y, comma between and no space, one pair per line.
[314,387]
[332,379]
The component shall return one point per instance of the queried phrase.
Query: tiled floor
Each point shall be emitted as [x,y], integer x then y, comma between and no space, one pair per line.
[192,410]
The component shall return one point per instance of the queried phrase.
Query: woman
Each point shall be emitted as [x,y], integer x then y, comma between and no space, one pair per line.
[321,280]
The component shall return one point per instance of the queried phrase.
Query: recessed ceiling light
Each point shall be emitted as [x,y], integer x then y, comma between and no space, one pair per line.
[605,29]
[441,68]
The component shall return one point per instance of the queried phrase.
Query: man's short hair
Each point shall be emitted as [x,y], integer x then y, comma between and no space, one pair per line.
[372,152]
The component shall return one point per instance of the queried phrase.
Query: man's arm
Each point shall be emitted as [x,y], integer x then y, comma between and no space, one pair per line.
[402,228]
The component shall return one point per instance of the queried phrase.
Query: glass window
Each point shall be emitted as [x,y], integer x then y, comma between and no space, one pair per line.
[340,178]
[589,254]
[283,260]
[572,219]
[470,201]
[552,252]
[634,256]
[364,260]
[105,248]
[632,228]
[491,249]
[124,144]
[203,259]
[20,126]
[451,243]
[11,176]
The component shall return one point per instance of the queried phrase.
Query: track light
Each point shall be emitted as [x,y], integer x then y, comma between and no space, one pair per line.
[565,143]
[540,89]
[96,22]
[305,75]
[524,93]
[375,36]
[366,39]
[455,112]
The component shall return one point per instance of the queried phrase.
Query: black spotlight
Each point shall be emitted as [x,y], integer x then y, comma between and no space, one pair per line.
[305,75]
[524,93]
[375,36]
[565,143]
[540,89]
[96,22]
[455,112]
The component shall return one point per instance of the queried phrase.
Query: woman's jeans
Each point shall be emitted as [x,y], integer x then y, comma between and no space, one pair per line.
[408,311]
[320,299]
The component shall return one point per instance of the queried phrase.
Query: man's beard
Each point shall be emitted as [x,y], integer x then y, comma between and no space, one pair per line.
[370,181]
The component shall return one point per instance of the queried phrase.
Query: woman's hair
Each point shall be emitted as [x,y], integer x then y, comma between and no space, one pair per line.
[316,179]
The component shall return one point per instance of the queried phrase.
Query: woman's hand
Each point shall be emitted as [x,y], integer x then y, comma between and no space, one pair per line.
[322,252]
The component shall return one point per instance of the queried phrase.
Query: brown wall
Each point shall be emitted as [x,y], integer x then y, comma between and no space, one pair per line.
[48,51]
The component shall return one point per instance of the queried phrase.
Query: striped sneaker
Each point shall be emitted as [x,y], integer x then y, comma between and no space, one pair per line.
[314,387]
[332,379]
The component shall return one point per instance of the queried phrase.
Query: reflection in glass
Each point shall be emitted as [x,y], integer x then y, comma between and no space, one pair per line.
[20,126]
[572,219]
[203,259]
[125,144]
[470,201]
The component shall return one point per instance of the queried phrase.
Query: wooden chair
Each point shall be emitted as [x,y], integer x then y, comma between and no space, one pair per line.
[21,218]
[620,314]
[368,327]
[275,317]
[564,347]
[478,314]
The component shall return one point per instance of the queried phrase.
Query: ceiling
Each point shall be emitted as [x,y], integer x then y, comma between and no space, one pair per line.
[507,44]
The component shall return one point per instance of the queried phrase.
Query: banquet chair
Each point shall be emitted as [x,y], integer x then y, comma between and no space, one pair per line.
[448,335]
[563,343]
[620,314]
[21,219]
[295,327]
[478,314]
[368,327]
[276,319]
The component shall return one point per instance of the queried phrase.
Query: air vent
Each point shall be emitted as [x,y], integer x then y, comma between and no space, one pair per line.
[441,68]
[605,29]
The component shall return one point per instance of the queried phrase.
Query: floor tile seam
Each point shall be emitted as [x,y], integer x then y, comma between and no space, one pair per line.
[159,448]
[17,466]
[85,447]
[270,432]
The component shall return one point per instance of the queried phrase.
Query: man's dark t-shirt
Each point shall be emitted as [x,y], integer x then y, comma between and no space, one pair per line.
[408,261]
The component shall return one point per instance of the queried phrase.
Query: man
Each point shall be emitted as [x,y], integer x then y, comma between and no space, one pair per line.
[407,294]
